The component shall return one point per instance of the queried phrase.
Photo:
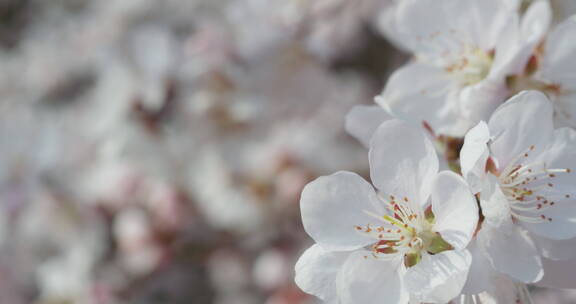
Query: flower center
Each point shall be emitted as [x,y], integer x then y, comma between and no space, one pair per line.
[406,231]
[529,187]
[471,66]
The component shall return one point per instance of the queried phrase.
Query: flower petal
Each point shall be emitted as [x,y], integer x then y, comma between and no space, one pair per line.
[316,272]
[565,110]
[510,50]
[478,101]
[561,224]
[495,205]
[366,280]
[524,120]
[481,275]
[438,278]
[558,65]
[561,154]
[417,92]
[508,248]
[486,285]
[362,121]
[439,28]
[511,252]
[536,21]
[421,21]
[455,209]
[403,161]
[474,154]
[519,39]
[333,205]
[555,249]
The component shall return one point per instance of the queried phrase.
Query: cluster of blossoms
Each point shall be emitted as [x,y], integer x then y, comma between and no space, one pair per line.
[156,151]
[471,152]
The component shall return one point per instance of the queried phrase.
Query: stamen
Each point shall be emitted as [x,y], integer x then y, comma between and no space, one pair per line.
[402,229]
[527,187]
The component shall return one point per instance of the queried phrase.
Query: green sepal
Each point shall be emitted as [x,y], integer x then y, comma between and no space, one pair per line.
[429,215]
[438,244]
[411,259]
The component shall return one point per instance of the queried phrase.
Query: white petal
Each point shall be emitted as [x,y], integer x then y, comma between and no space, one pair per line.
[555,249]
[478,101]
[487,286]
[481,275]
[333,205]
[559,64]
[417,92]
[366,280]
[510,291]
[419,21]
[524,120]
[519,39]
[494,204]
[562,224]
[438,278]
[474,154]
[455,209]
[491,19]
[561,154]
[558,274]
[403,161]
[511,252]
[536,21]
[565,110]
[316,272]
[362,121]
[504,291]
[511,52]
[440,28]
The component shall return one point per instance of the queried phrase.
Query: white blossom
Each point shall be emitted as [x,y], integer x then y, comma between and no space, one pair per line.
[522,168]
[464,51]
[553,72]
[406,239]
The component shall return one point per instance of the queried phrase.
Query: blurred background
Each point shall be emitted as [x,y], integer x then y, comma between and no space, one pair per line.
[154,151]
